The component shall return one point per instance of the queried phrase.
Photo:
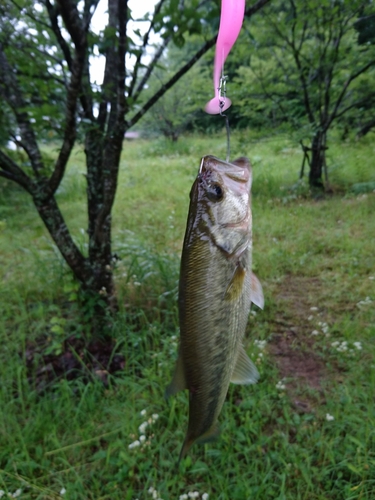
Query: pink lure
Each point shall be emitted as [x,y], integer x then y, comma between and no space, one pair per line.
[232,14]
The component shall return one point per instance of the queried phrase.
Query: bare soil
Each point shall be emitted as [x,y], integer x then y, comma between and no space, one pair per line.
[96,360]
[292,346]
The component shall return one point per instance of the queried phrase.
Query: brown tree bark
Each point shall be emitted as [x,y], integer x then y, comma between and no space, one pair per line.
[318,152]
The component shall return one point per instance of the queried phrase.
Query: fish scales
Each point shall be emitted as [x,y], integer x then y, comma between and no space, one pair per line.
[210,332]
[215,293]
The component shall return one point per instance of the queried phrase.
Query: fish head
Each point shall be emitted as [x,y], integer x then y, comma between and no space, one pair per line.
[222,190]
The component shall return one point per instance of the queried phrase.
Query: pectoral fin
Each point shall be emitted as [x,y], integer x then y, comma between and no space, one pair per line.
[178,381]
[256,292]
[234,289]
[245,371]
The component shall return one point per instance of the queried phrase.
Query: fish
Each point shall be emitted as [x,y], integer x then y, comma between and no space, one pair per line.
[216,289]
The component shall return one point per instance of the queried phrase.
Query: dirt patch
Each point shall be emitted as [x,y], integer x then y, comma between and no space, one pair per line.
[292,346]
[77,360]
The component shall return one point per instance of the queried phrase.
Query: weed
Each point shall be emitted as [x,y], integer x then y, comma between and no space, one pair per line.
[305,431]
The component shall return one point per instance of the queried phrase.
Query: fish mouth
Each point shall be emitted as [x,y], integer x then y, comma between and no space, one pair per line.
[235,176]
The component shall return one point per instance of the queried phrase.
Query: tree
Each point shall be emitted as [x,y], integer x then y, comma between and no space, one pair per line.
[309,70]
[46,49]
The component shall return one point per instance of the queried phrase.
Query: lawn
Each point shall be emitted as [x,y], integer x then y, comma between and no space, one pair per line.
[305,431]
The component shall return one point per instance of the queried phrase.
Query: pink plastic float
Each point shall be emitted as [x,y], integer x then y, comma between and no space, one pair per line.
[232,14]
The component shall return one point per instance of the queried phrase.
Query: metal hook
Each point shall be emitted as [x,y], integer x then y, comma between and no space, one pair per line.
[222,93]
[222,96]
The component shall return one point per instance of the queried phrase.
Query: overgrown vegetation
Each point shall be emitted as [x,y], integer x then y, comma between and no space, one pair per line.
[305,431]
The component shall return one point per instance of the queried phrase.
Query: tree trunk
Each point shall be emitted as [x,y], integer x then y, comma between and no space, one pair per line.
[94,274]
[318,153]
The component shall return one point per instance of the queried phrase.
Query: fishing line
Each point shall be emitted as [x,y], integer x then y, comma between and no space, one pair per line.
[222,97]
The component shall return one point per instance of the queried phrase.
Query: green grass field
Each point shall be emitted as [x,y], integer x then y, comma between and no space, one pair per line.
[305,431]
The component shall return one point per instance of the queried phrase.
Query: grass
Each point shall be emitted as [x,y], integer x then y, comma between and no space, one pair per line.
[315,259]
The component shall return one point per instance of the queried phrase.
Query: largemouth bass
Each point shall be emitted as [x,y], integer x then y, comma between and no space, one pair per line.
[215,292]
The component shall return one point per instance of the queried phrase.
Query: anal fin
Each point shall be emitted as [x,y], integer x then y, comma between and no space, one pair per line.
[210,435]
[245,371]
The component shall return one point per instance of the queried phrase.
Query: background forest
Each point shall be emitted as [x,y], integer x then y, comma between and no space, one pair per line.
[91,231]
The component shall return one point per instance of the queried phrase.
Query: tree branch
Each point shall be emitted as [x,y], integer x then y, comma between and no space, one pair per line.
[74,26]
[150,68]
[146,37]
[53,14]
[344,89]
[10,89]
[163,89]
[28,14]
[367,100]
[116,123]
[109,85]
[11,170]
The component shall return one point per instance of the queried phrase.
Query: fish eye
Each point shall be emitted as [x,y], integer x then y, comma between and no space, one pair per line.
[215,192]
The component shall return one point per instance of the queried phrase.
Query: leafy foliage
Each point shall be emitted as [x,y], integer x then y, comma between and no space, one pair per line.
[179,108]
[48,92]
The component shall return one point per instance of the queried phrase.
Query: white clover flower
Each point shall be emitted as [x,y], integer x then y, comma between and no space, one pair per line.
[155,495]
[142,427]
[260,344]
[357,345]
[315,332]
[151,490]
[193,494]
[205,496]
[134,444]
[329,417]
[174,337]
[371,277]
[364,302]
[260,355]
[335,344]
[183,497]
[143,413]
[155,416]
[136,283]
[342,348]
[313,308]
[17,493]
[253,313]
[309,318]
[62,491]
[2,493]
[280,385]
[142,438]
